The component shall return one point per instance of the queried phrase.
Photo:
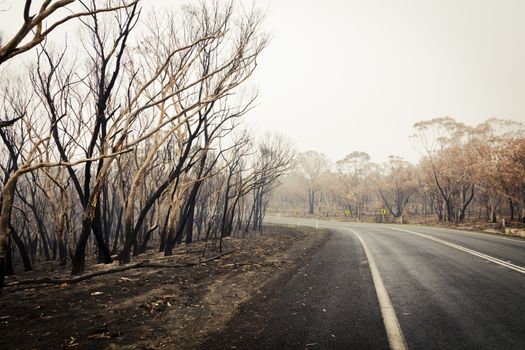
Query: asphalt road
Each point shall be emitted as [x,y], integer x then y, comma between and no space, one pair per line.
[393,286]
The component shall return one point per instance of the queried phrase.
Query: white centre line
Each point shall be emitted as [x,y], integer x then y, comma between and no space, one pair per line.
[506,264]
[396,339]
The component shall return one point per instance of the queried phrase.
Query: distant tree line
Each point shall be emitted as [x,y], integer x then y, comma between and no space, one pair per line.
[466,172]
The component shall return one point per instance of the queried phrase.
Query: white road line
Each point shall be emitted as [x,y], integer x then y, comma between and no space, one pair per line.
[467,250]
[396,339]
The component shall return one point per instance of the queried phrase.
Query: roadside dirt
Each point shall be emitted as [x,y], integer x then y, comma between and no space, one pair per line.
[513,230]
[153,308]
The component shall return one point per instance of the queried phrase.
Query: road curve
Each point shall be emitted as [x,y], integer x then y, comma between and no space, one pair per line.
[447,289]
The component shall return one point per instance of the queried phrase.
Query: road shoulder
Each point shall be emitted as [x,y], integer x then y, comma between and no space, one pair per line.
[328,301]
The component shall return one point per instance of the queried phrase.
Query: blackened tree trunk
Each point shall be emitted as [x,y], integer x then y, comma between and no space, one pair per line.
[144,244]
[117,231]
[9,268]
[79,259]
[185,219]
[188,228]
[104,255]
[467,197]
[21,249]
[450,210]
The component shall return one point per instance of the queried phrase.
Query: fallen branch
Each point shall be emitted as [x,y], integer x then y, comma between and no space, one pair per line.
[138,265]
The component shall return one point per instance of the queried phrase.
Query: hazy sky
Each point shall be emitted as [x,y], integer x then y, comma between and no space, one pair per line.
[345,75]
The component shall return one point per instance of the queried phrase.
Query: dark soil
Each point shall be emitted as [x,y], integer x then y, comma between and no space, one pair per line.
[329,302]
[152,308]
